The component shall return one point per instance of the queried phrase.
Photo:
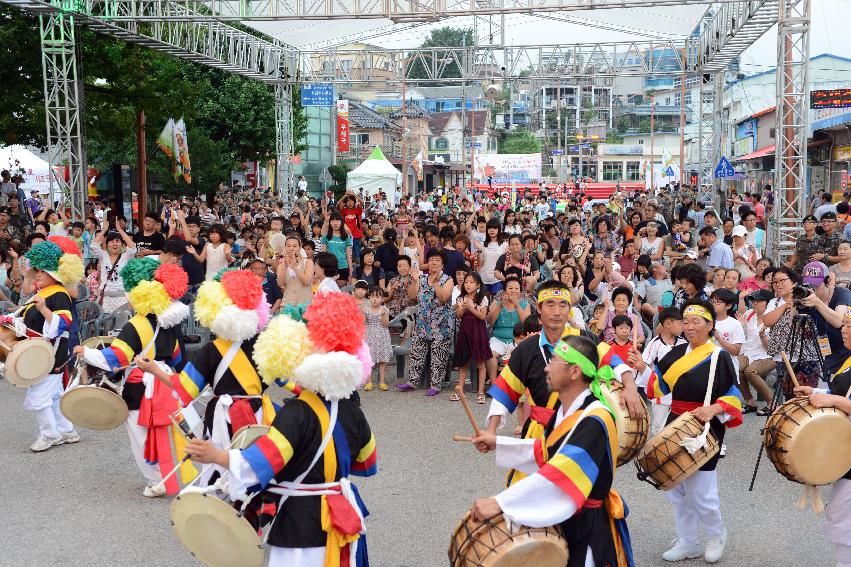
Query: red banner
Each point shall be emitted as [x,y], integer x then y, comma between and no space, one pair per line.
[342,125]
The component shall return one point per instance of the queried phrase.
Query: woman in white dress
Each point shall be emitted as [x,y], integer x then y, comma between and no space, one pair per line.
[216,252]
[107,248]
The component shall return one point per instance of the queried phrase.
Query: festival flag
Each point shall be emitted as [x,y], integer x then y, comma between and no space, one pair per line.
[342,125]
[181,144]
[166,139]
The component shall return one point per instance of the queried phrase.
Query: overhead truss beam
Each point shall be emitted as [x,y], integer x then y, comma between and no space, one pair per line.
[733,28]
[396,10]
[494,62]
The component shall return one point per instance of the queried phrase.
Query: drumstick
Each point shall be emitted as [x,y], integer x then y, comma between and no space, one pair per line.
[635,333]
[459,389]
[789,369]
[462,438]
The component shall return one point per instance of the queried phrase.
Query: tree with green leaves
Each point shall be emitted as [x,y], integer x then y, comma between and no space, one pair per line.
[519,142]
[22,95]
[443,37]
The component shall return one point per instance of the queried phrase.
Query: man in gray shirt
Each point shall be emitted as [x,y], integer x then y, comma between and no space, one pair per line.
[719,255]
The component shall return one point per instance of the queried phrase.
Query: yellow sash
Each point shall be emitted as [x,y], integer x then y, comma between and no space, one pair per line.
[47,292]
[241,368]
[686,363]
[845,366]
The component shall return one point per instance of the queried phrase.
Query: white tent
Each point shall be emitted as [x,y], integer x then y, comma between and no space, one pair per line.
[374,174]
[36,171]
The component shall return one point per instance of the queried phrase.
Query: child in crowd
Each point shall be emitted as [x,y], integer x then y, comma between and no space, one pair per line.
[472,341]
[530,326]
[377,317]
[598,319]
[620,344]
[359,291]
[728,333]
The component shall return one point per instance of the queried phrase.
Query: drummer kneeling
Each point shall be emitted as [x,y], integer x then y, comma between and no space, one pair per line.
[571,473]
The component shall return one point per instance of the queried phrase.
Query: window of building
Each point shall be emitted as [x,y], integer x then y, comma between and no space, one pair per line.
[360,139]
[346,65]
[633,171]
[772,133]
[612,171]
[441,144]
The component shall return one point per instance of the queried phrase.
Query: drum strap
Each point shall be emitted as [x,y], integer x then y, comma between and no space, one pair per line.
[695,444]
[225,362]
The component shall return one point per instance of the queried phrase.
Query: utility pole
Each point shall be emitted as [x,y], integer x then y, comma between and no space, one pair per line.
[652,142]
[682,129]
[472,146]
[142,165]
[404,128]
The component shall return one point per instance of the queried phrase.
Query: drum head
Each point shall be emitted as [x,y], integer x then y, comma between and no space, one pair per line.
[93,407]
[211,530]
[813,451]
[29,362]
[98,342]
[247,435]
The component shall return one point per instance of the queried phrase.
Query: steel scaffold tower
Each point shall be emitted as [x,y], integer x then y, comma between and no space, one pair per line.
[284,142]
[793,53]
[63,111]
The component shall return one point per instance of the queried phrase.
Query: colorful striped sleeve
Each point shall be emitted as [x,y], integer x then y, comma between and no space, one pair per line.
[366,463]
[507,389]
[573,471]
[268,455]
[656,385]
[118,354]
[188,383]
[64,321]
[731,401]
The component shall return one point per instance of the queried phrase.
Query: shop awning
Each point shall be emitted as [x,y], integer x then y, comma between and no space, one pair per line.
[760,153]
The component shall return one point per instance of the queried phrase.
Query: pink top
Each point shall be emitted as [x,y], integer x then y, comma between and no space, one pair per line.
[751,284]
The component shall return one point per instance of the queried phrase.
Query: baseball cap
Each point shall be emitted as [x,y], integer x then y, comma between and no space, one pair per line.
[761,295]
[810,218]
[739,230]
[814,273]
[829,215]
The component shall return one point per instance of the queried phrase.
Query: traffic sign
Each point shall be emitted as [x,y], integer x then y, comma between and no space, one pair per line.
[473,144]
[670,171]
[724,169]
[317,94]
[557,152]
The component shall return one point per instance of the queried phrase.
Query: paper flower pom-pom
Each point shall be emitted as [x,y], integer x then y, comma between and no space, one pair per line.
[211,298]
[264,313]
[280,348]
[244,288]
[70,270]
[65,244]
[365,357]
[333,375]
[235,324]
[137,270]
[174,280]
[335,322]
[149,297]
[294,311]
[223,271]
[44,256]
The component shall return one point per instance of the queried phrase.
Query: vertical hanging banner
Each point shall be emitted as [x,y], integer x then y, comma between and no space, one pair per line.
[343,125]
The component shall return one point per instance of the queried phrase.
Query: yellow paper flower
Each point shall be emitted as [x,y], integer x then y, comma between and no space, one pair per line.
[149,297]
[281,348]
[211,298]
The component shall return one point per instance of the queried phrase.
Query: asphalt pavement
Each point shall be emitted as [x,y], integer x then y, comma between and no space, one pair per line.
[82,505]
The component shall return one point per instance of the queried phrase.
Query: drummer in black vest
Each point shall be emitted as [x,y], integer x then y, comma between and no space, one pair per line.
[837,525]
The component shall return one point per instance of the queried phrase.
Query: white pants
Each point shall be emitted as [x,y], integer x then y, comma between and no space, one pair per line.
[137,435]
[696,502]
[296,556]
[837,526]
[43,400]
[658,417]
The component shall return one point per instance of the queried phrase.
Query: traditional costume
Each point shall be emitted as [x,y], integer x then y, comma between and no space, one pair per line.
[684,374]
[655,350]
[233,306]
[60,258]
[153,290]
[316,441]
[524,373]
[570,477]
[837,526]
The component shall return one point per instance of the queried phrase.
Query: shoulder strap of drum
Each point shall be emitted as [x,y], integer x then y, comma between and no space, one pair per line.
[151,342]
[713,365]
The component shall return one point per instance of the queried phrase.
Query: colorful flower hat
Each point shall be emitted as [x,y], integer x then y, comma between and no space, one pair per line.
[327,356]
[233,305]
[60,257]
[155,288]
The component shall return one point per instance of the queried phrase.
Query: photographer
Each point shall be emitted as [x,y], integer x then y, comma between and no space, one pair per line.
[779,316]
[826,304]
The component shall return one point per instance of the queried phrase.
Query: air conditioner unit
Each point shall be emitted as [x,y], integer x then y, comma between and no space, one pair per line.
[754,165]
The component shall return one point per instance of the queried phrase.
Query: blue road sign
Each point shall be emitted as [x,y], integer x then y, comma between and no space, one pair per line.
[670,171]
[724,169]
[557,152]
[318,94]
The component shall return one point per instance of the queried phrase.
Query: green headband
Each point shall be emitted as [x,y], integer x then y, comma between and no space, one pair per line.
[589,369]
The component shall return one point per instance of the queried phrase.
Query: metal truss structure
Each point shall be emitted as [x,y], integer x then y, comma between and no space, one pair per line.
[396,10]
[63,106]
[284,142]
[732,29]
[494,62]
[196,30]
[790,203]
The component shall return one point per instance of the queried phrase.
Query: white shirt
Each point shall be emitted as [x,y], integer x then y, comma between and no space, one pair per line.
[327,285]
[425,206]
[302,185]
[731,331]
[753,348]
